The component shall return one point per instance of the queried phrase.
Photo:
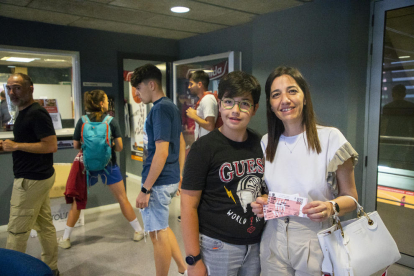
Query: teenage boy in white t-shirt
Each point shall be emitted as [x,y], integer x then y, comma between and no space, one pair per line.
[206,111]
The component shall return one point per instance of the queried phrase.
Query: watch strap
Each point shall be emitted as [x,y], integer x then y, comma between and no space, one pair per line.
[192,260]
[145,190]
[334,207]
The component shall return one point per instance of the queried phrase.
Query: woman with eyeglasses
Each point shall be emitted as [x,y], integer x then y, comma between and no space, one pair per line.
[304,159]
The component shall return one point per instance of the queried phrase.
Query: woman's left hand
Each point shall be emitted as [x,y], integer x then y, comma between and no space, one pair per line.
[318,210]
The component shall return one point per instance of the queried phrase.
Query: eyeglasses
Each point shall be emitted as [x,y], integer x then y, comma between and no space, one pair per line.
[229,103]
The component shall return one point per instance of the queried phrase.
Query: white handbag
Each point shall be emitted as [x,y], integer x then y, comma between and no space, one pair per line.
[357,247]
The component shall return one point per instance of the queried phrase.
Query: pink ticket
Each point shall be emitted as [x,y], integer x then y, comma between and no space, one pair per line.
[282,205]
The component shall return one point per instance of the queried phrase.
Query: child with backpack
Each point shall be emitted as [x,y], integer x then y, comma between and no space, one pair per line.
[99,137]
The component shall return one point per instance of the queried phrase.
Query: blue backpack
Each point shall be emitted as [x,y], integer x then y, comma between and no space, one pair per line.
[96,144]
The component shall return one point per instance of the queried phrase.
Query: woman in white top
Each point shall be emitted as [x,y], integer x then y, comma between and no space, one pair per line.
[308,160]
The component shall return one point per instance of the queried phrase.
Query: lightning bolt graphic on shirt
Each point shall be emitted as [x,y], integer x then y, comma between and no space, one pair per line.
[230,194]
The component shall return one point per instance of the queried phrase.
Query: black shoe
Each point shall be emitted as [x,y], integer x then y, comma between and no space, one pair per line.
[179,218]
[56,272]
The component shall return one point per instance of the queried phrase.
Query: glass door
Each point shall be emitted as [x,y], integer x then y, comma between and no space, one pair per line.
[216,66]
[390,144]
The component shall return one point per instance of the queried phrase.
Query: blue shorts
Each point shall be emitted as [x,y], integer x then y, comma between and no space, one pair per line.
[155,216]
[113,176]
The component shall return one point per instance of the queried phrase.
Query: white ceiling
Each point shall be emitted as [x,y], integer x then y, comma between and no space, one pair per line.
[144,17]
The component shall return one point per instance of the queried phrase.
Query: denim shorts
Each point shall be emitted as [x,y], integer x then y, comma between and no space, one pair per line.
[223,258]
[113,176]
[155,216]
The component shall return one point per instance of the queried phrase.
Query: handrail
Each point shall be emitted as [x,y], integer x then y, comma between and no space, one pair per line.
[396,138]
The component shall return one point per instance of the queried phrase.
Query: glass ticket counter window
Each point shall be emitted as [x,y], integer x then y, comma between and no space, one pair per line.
[216,66]
[55,81]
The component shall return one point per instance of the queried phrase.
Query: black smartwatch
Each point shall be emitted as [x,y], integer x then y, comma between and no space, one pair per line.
[191,260]
[335,208]
[145,191]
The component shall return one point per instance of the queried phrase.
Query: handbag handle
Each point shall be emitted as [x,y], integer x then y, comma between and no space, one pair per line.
[359,207]
[360,211]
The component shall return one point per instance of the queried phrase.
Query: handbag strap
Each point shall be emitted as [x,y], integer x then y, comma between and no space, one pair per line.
[360,212]
[359,207]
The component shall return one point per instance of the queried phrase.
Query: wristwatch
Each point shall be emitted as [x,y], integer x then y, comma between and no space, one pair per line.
[336,208]
[145,191]
[191,260]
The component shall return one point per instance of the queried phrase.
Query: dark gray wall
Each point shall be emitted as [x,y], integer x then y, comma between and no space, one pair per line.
[326,39]
[99,52]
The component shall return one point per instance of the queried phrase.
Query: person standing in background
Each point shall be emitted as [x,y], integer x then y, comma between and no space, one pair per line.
[206,110]
[4,111]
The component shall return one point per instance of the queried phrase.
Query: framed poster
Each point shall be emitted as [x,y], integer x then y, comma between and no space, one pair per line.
[138,113]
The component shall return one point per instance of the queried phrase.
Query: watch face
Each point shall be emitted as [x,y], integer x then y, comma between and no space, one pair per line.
[337,207]
[190,260]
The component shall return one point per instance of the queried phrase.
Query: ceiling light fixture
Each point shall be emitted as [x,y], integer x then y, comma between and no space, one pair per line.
[180,9]
[55,60]
[17,59]
[404,56]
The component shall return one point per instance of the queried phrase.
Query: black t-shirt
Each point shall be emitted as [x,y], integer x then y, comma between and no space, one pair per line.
[32,124]
[114,126]
[230,174]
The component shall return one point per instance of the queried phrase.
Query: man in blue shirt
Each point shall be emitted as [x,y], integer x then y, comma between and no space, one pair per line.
[164,154]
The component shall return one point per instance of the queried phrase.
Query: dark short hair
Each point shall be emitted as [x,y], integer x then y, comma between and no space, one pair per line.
[145,73]
[2,94]
[25,77]
[239,83]
[200,76]
[399,91]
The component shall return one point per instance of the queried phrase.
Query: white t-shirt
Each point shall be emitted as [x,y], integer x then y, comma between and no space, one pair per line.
[297,170]
[207,108]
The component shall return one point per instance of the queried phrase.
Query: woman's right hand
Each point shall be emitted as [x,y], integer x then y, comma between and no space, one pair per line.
[257,206]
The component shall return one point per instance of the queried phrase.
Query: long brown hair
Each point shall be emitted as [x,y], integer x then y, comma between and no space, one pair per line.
[92,101]
[275,126]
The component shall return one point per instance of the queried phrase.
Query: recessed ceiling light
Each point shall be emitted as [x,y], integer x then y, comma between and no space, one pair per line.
[11,66]
[17,59]
[404,57]
[180,9]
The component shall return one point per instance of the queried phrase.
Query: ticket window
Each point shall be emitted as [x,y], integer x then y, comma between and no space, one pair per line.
[56,82]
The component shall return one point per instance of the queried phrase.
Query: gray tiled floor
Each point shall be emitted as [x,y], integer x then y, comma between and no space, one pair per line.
[104,246]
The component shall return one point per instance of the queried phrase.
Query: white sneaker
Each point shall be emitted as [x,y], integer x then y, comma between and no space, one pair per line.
[183,274]
[138,236]
[64,243]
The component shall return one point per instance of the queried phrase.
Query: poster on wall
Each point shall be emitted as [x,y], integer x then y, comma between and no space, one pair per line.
[138,113]
[51,106]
